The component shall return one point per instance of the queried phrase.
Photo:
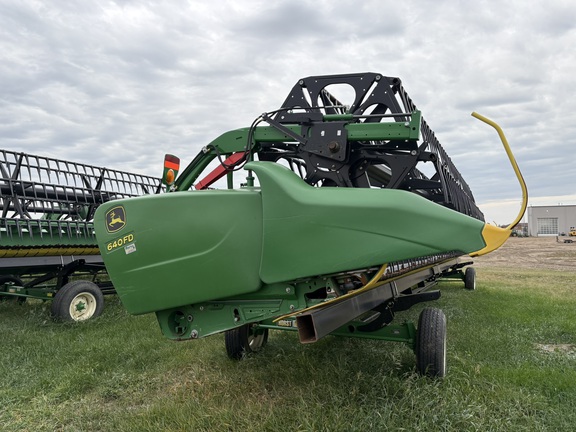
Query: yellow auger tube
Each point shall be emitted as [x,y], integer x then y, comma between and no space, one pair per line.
[495,237]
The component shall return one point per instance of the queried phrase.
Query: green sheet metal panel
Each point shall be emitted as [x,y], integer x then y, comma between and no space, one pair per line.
[181,248]
[189,247]
[313,231]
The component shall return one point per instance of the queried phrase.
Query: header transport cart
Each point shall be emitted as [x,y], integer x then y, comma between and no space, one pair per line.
[336,229]
[48,248]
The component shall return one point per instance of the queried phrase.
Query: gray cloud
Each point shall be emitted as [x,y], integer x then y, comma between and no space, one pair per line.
[119,83]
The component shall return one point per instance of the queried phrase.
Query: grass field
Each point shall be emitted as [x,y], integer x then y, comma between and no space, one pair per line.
[511,367]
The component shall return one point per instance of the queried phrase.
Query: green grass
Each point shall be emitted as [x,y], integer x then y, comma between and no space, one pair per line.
[118,373]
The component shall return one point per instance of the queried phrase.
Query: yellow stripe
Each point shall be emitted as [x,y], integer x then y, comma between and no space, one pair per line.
[47,251]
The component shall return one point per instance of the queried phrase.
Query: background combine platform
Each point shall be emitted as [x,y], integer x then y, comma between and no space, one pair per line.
[48,248]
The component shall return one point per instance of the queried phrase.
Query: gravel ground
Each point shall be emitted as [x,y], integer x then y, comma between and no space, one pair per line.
[532,252]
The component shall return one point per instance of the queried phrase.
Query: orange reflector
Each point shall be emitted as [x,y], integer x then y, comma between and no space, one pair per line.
[171,167]
[170,176]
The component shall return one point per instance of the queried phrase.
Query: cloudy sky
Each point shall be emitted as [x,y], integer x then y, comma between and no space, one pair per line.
[120,83]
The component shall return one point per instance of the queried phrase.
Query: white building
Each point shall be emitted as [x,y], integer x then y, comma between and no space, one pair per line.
[551,220]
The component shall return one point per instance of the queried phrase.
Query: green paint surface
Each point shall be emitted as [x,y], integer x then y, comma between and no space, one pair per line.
[189,247]
[184,248]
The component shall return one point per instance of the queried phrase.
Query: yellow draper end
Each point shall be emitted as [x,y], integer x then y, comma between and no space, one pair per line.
[495,237]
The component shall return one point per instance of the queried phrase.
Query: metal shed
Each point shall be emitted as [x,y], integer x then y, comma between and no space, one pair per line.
[551,220]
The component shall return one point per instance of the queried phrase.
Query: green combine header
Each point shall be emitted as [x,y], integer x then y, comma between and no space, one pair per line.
[48,247]
[326,225]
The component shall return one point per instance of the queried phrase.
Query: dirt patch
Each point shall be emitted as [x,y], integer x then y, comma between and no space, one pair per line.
[565,349]
[532,253]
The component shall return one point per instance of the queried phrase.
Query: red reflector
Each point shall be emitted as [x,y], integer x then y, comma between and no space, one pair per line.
[172,158]
[171,165]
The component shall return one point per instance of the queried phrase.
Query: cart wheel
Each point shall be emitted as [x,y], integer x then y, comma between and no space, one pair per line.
[78,301]
[470,279]
[13,280]
[245,339]
[431,343]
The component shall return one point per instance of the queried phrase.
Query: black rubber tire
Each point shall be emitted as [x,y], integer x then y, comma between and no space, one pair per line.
[244,340]
[16,281]
[78,301]
[470,279]
[431,343]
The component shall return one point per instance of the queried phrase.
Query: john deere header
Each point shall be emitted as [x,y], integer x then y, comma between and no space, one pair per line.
[319,202]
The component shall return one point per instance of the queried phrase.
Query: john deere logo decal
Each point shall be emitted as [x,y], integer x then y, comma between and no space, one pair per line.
[115,219]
